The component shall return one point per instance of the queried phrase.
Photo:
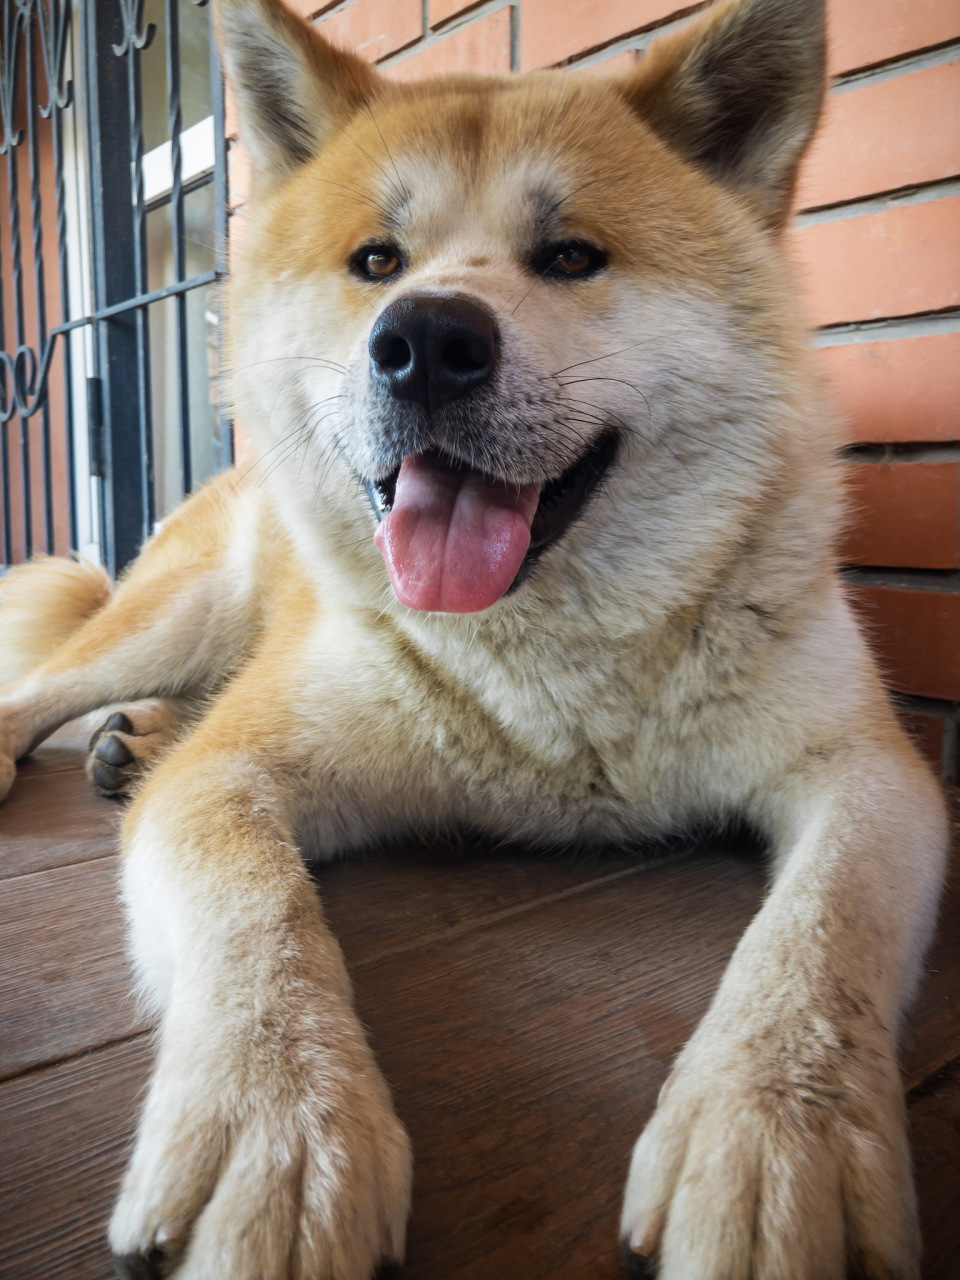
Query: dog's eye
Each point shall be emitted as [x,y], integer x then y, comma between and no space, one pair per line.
[570,260]
[377,262]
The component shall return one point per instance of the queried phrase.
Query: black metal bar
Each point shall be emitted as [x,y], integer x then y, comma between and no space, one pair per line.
[12,53]
[7,101]
[54,35]
[221,205]
[134,42]
[111,38]
[40,297]
[179,248]
[141,300]
[123,511]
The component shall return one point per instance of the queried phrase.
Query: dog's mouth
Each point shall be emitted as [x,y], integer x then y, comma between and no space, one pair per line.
[456,541]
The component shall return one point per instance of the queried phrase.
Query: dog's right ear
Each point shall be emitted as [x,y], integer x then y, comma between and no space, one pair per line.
[293,88]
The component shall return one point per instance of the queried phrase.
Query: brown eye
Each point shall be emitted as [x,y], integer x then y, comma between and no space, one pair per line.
[572,261]
[377,262]
[569,260]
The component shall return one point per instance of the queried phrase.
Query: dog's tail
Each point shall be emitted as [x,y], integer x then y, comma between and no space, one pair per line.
[43,602]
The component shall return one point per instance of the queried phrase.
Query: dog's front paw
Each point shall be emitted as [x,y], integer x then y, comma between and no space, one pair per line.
[272,1157]
[763,1163]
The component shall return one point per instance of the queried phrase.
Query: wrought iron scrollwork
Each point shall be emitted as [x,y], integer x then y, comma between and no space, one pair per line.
[135,34]
[54,27]
[39,42]
[10,135]
[24,371]
[33,32]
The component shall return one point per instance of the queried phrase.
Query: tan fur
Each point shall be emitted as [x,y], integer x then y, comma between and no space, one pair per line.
[685,650]
[41,604]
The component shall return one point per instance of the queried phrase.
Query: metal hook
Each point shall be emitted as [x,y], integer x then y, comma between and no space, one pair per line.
[133,36]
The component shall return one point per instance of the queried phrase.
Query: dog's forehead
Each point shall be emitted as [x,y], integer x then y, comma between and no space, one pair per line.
[430,199]
[508,154]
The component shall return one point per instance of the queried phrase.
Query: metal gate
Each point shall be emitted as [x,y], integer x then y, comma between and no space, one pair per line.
[113,234]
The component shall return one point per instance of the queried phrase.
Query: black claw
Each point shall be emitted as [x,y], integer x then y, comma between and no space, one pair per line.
[153,1265]
[119,723]
[388,1271]
[112,751]
[635,1264]
[108,779]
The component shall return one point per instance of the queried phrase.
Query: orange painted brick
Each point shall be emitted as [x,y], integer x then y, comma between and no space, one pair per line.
[483,45]
[552,30]
[862,32]
[374,29]
[891,134]
[309,8]
[915,636]
[899,261]
[903,515]
[926,732]
[442,10]
[902,390]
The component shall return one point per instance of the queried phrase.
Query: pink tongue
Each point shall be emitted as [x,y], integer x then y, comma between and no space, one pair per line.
[453,541]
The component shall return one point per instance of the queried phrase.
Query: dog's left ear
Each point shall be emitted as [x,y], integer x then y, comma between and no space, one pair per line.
[739,93]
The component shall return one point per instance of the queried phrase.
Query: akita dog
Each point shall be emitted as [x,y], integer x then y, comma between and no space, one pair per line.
[542,545]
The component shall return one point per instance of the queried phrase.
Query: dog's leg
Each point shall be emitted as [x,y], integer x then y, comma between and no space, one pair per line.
[778,1150]
[268,1145]
[174,626]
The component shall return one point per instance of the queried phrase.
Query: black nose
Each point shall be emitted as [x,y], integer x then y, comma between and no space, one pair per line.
[433,349]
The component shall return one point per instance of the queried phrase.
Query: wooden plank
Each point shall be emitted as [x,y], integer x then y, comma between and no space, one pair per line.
[65,749]
[66,1133]
[549,1035]
[933,1035]
[53,820]
[525,1055]
[413,895]
[519,1052]
[64,976]
[65,982]
[935,1135]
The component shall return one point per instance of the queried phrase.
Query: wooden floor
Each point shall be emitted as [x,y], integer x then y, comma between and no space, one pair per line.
[525,1011]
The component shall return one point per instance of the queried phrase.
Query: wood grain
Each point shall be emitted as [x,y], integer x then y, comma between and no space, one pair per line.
[65,1134]
[65,983]
[77,825]
[935,1132]
[525,1010]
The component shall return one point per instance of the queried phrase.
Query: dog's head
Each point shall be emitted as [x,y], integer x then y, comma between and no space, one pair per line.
[511,328]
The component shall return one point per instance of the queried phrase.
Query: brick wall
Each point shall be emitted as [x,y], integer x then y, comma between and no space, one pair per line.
[877,240]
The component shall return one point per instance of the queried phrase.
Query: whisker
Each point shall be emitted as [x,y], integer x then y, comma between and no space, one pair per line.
[608,356]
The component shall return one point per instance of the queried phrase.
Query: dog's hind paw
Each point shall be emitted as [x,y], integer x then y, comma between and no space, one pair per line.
[130,740]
